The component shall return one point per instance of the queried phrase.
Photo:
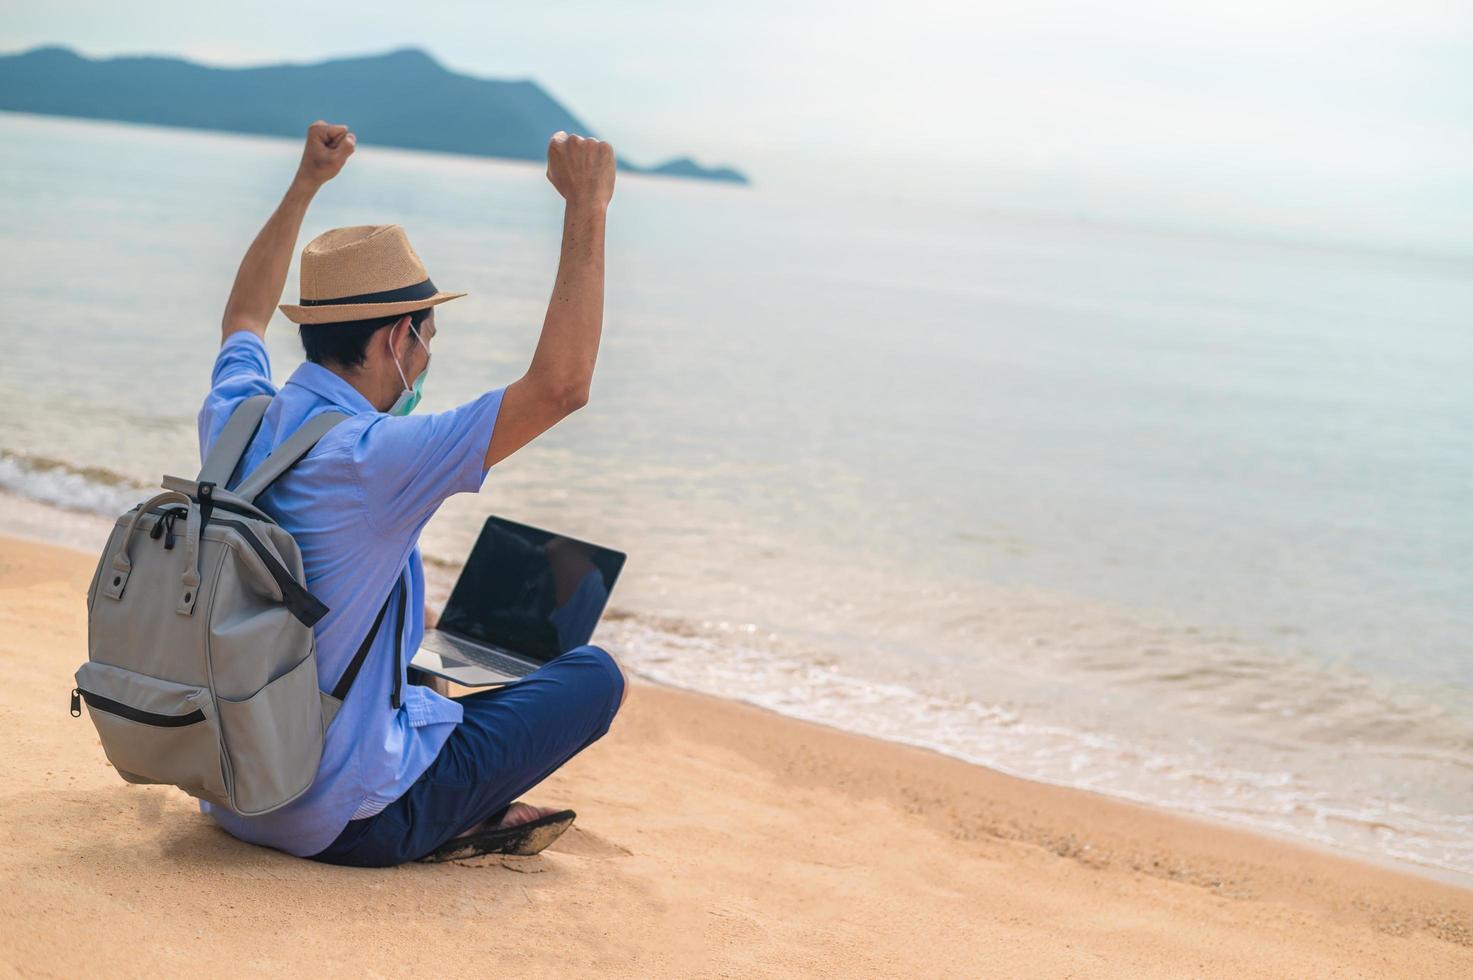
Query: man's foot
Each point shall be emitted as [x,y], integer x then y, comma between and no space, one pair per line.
[519,813]
[523,830]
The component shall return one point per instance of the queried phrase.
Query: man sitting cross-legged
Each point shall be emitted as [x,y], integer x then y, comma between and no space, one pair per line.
[405,770]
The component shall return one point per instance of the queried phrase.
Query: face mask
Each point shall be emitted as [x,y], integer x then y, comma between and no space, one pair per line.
[411,395]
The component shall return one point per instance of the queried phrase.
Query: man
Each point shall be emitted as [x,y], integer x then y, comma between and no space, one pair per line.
[404,769]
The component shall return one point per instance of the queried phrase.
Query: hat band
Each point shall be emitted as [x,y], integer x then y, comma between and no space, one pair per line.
[420,290]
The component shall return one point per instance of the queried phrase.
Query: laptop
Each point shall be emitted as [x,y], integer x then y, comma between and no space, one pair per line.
[524,597]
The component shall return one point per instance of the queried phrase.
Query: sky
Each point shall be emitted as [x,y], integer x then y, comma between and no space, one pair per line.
[1347,120]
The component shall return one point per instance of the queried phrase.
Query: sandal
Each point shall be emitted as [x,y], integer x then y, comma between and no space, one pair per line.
[523,839]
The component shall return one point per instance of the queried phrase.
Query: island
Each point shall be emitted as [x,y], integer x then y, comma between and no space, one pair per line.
[404,98]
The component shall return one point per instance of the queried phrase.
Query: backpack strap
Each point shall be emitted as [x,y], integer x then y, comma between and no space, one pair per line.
[356,664]
[285,456]
[345,682]
[230,445]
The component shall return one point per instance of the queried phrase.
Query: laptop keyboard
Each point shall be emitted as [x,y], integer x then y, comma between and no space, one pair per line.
[452,646]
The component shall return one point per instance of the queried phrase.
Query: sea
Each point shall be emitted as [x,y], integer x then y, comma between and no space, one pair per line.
[1178,517]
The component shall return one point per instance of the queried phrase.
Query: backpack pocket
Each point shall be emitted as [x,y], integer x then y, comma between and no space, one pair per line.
[153,730]
[273,740]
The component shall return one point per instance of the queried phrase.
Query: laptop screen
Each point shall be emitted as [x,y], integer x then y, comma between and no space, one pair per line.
[530,591]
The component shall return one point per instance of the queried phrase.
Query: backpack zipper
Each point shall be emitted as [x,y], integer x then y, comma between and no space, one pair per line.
[131,713]
[298,601]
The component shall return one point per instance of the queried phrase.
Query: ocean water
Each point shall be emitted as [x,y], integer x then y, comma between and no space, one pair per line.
[1173,517]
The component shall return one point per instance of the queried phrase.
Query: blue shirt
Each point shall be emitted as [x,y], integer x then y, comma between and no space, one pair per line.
[355,505]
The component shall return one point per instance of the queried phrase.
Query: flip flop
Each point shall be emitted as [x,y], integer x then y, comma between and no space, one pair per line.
[525,838]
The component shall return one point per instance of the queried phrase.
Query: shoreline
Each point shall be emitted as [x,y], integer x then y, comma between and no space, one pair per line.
[21,515]
[713,837]
[1445,876]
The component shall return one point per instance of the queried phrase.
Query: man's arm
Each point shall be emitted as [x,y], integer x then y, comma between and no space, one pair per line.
[262,273]
[557,382]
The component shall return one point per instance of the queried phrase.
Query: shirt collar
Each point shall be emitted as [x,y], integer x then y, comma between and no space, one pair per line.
[329,386]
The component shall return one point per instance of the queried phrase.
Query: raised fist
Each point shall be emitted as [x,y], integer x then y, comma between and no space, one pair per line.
[328,148]
[581,169]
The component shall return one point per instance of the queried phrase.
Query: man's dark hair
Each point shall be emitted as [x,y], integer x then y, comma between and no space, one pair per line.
[343,343]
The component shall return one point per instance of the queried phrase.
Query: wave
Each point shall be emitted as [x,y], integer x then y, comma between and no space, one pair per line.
[83,489]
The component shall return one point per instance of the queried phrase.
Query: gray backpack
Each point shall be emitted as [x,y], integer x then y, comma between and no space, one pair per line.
[202,664]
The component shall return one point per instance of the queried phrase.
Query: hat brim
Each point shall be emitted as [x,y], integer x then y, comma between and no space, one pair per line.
[360,311]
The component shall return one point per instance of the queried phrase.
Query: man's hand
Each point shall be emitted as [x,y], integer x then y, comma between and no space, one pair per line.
[581,169]
[328,147]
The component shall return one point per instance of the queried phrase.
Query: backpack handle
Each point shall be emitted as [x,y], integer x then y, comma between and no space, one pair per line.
[122,565]
[194,525]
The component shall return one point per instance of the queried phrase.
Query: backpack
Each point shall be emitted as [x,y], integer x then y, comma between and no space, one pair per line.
[201,664]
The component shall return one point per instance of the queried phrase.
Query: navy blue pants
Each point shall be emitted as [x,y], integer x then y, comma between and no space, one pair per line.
[511,739]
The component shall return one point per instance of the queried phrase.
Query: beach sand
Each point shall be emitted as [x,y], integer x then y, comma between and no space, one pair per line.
[713,839]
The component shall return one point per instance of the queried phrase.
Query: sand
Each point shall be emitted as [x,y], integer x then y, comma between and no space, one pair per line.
[713,839]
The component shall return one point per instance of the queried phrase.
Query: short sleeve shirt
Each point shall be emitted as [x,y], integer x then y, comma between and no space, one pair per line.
[355,505]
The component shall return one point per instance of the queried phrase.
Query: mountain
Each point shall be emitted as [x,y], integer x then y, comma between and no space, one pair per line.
[686,167]
[403,98]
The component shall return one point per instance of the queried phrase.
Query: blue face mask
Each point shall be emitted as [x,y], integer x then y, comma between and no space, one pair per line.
[411,394]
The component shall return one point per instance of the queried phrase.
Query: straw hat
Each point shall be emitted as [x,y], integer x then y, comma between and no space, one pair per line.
[360,272]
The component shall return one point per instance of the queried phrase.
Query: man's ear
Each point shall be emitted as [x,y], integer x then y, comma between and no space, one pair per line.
[392,337]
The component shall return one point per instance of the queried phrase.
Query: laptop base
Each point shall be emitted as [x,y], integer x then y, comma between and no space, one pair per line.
[467,664]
